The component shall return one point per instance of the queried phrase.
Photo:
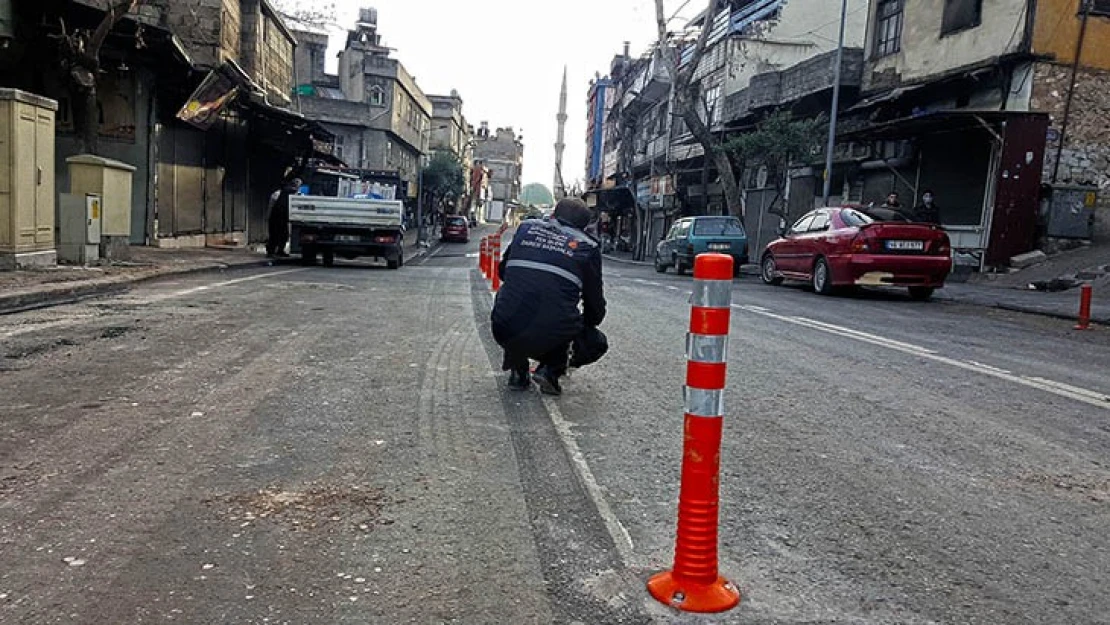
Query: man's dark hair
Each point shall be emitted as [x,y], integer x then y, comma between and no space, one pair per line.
[572,212]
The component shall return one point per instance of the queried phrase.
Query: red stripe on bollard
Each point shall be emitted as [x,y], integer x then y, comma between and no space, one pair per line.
[709,320]
[482,256]
[495,285]
[694,584]
[706,375]
[1084,308]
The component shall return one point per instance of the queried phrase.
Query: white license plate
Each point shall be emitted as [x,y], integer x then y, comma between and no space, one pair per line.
[347,238]
[905,245]
[719,246]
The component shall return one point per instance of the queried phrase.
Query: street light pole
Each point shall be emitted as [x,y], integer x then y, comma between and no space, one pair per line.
[835,111]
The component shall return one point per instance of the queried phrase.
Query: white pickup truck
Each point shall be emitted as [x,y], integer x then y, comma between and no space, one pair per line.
[346,227]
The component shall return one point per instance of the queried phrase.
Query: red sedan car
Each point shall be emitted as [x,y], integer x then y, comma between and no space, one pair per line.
[455,228]
[843,247]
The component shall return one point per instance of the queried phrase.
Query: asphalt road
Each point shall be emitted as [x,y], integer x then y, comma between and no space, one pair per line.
[310,445]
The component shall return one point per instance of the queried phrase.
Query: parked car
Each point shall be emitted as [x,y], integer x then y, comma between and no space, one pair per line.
[847,247]
[455,228]
[691,236]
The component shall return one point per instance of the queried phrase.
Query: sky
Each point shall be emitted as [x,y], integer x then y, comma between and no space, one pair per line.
[506,59]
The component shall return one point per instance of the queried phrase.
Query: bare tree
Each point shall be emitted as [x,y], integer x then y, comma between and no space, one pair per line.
[319,14]
[81,60]
[688,96]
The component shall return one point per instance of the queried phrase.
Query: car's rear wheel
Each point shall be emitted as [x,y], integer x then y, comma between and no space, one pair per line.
[679,266]
[308,256]
[329,259]
[659,265]
[921,293]
[822,277]
[767,270]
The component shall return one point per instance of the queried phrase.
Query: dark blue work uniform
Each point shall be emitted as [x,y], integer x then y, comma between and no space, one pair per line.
[547,269]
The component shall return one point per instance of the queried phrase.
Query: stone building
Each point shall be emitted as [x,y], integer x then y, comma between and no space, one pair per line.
[502,154]
[969,98]
[380,117]
[193,185]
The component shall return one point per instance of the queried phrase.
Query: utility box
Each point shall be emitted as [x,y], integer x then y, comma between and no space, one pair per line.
[80,228]
[1071,212]
[111,180]
[26,179]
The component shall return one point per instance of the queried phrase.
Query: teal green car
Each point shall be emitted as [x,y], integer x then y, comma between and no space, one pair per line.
[691,236]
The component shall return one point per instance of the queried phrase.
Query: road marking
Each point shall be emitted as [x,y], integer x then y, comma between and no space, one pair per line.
[207,287]
[1076,393]
[673,288]
[621,538]
[61,323]
[986,366]
[472,254]
[431,254]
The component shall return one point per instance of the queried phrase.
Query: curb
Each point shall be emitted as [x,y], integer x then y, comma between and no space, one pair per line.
[37,300]
[627,261]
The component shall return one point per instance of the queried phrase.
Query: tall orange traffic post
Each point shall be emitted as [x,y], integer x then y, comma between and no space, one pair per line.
[695,584]
[482,253]
[495,284]
[1084,308]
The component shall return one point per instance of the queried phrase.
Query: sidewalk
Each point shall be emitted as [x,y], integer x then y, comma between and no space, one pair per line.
[42,288]
[1008,292]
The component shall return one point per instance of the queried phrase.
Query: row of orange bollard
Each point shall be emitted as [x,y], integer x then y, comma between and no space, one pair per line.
[489,255]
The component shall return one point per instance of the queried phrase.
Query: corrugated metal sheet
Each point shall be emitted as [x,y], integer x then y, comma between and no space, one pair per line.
[738,20]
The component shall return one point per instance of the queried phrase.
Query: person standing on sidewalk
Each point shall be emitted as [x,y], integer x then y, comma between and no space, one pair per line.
[546,270]
[279,219]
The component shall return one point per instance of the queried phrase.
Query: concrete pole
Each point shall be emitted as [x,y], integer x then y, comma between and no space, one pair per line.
[835,111]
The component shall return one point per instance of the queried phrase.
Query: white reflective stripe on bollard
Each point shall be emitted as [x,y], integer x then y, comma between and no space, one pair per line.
[706,347]
[702,403]
[711,294]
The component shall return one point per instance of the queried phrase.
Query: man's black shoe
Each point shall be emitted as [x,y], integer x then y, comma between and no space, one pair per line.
[519,381]
[549,384]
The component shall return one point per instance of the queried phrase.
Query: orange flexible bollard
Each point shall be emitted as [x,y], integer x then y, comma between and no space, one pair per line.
[495,285]
[1084,308]
[695,584]
[482,253]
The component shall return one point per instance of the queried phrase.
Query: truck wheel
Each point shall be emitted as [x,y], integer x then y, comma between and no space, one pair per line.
[400,257]
[308,256]
[329,259]
[393,263]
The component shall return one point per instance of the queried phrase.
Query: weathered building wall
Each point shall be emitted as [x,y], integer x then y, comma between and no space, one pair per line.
[805,29]
[925,52]
[1056,33]
[1085,158]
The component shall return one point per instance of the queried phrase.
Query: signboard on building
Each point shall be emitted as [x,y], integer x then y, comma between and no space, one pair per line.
[209,99]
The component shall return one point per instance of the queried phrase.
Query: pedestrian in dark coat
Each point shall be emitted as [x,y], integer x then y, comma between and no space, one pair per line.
[927,211]
[548,268]
[279,219]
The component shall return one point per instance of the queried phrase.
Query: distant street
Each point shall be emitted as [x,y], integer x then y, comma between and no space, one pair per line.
[308,445]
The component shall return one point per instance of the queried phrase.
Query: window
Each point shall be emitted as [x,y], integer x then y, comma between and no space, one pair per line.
[712,99]
[802,225]
[1097,7]
[961,15]
[854,219]
[338,150]
[888,28]
[718,226]
[377,96]
[820,222]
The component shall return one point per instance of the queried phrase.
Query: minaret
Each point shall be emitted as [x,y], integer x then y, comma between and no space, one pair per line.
[558,189]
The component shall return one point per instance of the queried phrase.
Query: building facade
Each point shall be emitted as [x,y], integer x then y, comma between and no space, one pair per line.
[193,184]
[502,154]
[380,117]
[598,105]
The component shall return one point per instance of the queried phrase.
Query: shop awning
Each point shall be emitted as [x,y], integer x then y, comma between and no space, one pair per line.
[935,122]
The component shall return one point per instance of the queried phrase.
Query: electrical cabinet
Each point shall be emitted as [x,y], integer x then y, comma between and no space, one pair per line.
[26,179]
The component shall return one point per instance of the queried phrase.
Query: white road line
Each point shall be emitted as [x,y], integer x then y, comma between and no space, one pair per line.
[673,288]
[621,538]
[430,255]
[472,254]
[1083,395]
[986,366]
[865,335]
[61,323]
[217,285]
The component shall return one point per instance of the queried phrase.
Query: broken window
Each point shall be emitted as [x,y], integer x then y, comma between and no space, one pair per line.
[961,15]
[888,27]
